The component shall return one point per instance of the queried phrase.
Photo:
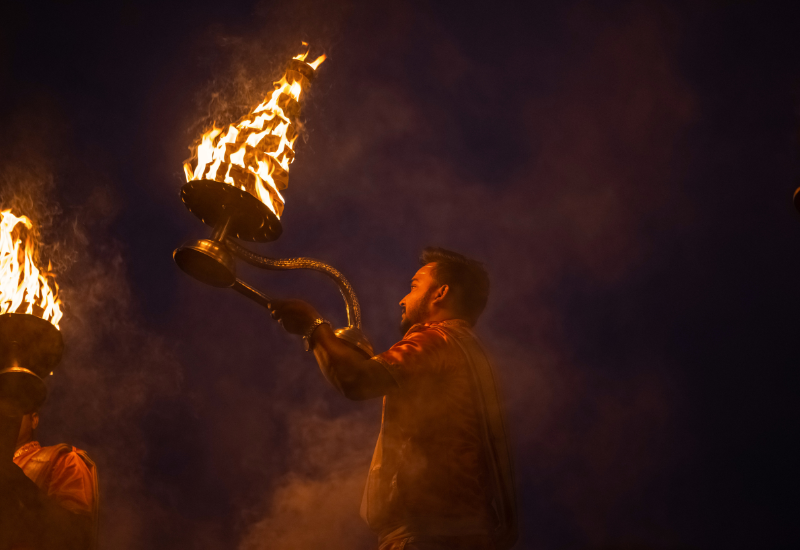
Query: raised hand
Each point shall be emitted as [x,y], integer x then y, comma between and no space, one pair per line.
[296,316]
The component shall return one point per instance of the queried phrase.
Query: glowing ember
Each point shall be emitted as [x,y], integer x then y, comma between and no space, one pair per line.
[254,154]
[23,288]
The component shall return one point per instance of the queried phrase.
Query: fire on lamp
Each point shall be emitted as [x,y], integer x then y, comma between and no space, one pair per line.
[30,309]
[235,179]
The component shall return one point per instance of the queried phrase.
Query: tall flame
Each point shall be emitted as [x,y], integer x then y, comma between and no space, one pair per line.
[23,288]
[254,154]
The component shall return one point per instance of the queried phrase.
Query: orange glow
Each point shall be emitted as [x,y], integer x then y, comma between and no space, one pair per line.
[254,153]
[22,285]
[317,62]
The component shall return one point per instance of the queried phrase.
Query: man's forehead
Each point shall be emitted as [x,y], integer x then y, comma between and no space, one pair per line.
[424,271]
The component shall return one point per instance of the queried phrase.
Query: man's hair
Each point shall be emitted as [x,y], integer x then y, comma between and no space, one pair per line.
[467,279]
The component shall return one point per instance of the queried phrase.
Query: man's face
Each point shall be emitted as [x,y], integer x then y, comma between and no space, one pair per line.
[416,304]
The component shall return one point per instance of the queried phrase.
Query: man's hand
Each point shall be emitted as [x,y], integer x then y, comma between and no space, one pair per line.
[294,315]
[354,375]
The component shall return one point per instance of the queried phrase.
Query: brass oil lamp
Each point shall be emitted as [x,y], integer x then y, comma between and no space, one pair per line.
[31,345]
[233,185]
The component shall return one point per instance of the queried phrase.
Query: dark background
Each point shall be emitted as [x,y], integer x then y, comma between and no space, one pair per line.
[625,170]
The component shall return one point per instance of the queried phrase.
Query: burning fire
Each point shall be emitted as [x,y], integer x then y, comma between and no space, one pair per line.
[23,288]
[254,154]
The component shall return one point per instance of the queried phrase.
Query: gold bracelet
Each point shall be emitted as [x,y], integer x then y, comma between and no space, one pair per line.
[314,326]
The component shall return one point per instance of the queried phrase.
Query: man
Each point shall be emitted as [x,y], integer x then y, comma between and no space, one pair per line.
[441,474]
[50,495]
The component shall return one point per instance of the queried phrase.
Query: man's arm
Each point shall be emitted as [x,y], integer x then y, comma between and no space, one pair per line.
[346,368]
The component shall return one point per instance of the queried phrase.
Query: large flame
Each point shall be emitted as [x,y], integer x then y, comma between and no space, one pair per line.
[254,154]
[23,287]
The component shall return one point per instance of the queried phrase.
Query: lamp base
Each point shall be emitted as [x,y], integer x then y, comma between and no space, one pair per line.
[23,390]
[215,202]
[30,348]
[208,261]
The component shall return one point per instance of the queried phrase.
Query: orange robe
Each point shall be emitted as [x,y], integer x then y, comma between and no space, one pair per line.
[442,468]
[66,474]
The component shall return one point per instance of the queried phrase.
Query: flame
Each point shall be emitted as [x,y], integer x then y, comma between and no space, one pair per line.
[22,286]
[254,153]
[317,62]
[302,56]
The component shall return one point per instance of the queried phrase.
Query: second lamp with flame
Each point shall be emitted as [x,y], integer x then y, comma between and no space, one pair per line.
[30,309]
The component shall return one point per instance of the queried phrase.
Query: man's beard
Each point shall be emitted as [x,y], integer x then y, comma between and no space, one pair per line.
[418,314]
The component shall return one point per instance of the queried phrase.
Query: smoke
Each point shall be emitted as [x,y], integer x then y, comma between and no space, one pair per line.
[314,504]
[245,66]
[113,367]
[578,216]
[555,169]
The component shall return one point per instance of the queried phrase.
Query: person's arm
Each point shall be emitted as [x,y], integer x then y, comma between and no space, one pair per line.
[346,368]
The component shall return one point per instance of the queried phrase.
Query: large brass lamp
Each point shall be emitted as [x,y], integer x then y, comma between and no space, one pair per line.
[30,340]
[234,183]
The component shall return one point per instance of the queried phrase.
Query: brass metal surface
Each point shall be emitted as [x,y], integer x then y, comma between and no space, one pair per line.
[213,202]
[355,337]
[30,348]
[286,264]
[208,261]
[248,291]
[235,214]
[303,68]
[31,341]
[23,389]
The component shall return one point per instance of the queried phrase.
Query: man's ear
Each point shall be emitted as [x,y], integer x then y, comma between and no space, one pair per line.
[34,421]
[440,295]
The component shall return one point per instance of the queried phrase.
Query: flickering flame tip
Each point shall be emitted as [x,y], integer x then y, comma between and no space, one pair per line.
[24,288]
[261,143]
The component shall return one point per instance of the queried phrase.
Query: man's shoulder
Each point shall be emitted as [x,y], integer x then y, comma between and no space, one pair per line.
[67,474]
[428,342]
[424,338]
[438,330]
[64,453]
[52,451]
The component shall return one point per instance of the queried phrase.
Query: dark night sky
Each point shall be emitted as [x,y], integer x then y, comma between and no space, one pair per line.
[625,170]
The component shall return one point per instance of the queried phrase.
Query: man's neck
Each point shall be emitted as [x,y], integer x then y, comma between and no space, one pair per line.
[441,315]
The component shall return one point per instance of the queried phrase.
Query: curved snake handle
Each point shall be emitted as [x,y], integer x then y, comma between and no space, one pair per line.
[285,264]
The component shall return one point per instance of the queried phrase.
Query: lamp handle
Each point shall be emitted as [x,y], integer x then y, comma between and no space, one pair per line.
[285,264]
[248,291]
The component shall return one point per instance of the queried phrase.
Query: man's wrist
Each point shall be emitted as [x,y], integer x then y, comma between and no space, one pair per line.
[311,329]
